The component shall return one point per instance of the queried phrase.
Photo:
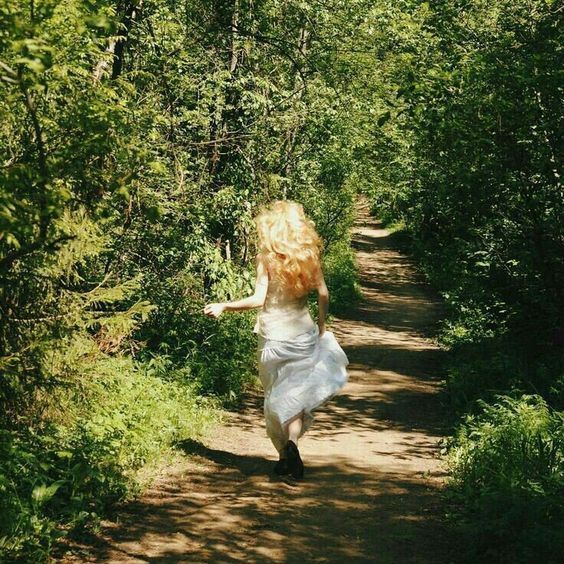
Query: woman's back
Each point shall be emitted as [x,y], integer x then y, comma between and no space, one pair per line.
[283,315]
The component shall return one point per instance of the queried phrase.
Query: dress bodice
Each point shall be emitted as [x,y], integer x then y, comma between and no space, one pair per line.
[283,316]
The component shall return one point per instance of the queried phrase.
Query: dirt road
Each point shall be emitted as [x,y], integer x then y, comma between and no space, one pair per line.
[373,477]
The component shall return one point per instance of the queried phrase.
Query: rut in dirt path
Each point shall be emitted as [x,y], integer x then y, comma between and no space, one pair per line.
[373,477]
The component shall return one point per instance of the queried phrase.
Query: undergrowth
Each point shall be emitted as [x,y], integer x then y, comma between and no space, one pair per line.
[60,476]
[507,481]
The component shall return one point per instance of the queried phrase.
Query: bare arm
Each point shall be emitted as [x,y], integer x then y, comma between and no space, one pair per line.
[323,303]
[254,301]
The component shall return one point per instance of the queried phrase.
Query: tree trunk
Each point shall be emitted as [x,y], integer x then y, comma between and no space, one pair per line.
[130,13]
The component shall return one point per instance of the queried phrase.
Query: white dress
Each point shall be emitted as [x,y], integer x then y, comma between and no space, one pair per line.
[298,369]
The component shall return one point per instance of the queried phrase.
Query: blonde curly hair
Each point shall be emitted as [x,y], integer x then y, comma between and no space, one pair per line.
[290,246]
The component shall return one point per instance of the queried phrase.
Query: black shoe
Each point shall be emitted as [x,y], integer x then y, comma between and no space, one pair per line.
[295,464]
[281,467]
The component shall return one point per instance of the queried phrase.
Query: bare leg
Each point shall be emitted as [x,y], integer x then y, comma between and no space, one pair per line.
[294,427]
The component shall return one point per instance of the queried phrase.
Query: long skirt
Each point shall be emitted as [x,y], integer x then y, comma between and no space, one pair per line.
[298,375]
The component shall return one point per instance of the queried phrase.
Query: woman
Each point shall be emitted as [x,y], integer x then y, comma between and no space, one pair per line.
[301,365]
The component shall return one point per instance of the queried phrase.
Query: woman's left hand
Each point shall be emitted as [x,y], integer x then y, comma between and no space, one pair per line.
[214,310]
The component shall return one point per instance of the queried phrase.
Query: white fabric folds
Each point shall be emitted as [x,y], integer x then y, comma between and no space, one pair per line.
[298,375]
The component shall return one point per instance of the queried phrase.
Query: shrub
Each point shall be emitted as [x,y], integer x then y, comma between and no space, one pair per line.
[341,275]
[62,474]
[507,467]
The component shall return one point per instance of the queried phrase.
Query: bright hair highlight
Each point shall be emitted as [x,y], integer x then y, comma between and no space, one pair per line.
[290,246]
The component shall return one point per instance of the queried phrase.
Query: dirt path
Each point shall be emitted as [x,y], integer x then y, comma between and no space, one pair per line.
[372,487]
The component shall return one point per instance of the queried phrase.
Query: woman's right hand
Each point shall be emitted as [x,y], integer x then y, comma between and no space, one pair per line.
[321,329]
[214,310]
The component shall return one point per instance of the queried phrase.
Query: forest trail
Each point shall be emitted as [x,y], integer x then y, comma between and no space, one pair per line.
[371,491]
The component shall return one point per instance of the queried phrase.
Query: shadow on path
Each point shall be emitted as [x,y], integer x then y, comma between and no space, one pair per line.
[340,513]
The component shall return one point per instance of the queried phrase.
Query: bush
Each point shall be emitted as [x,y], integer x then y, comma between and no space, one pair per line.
[61,475]
[507,467]
[225,363]
[341,275]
